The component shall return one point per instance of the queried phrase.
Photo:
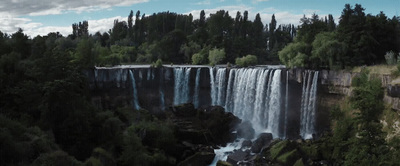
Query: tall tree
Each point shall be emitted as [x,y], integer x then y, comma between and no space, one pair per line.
[130,25]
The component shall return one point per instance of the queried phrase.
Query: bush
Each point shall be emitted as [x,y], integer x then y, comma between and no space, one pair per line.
[157,64]
[216,56]
[248,60]
[391,58]
[56,158]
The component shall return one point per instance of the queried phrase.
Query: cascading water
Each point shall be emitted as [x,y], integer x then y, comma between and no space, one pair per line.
[218,86]
[161,89]
[213,87]
[181,88]
[247,94]
[274,109]
[308,104]
[135,101]
[148,74]
[196,101]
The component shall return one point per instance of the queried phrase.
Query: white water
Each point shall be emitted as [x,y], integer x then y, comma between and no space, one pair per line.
[213,87]
[223,152]
[247,95]
[308,104]
[196,101]
[135,100]
[181,88]
[274,109]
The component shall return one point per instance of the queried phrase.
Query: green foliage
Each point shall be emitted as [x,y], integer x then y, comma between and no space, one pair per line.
[200,58]
[157,64]
[248,60]
[216,56]
[56,158]
[294,55]
[328,51]
[289,158]
[84,56]
[391,58]
[189,49]
[279,148]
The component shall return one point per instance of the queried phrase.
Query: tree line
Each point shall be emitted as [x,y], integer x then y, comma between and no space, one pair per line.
[358,39]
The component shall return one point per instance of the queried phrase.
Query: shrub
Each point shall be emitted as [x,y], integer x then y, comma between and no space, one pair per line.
[216,56]
[391,58]
[56,158]
[248,60]
[157,64]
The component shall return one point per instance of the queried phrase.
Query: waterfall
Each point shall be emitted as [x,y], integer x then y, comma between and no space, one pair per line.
[196,101]
[220,82]
[260,100]
[286,103]
[161,89]
[247,95]
[218,86]
[274,108]
[181,88]
[213,87]
[258,94]
[135,101]
[229,91]
[140,75]
[308,104]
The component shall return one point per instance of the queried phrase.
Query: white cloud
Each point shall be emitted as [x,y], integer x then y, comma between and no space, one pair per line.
[257,1]
[206,2]
[103,25]
[11,24]
[45,7]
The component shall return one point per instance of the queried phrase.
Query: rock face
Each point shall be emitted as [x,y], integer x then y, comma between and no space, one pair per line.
[209,126]
[238,156]
[261,142]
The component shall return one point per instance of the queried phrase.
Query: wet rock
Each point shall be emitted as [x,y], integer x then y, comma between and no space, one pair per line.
[246,143]
[198,159]
[263,140]
[184,110]
[237,156]
[245,130]
[223,163]
[393,90]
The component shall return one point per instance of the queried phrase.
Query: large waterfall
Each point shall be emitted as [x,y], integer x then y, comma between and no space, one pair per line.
[252,94]
[308,104]
[276,100]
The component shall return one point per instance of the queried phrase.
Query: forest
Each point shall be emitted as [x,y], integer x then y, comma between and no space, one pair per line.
[46,114]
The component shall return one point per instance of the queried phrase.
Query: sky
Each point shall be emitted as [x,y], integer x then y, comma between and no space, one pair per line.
[39,17]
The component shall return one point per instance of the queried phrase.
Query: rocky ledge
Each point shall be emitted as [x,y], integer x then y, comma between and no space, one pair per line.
[200,130]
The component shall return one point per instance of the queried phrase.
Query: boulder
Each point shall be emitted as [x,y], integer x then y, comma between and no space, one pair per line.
[198,159]
[246,143]
[237,156]
[184,110]
[393,90]
[210,126]
[263,140]
[245,130]
[223,163]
